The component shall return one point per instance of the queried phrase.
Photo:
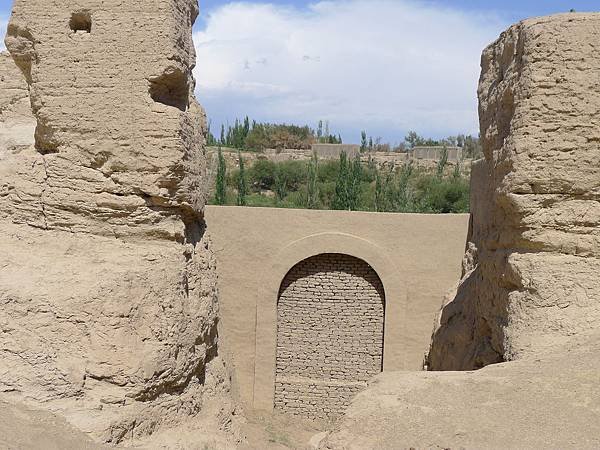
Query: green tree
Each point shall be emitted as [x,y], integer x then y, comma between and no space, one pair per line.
[210,138]
[472,147]
[385,192]
[222,141]
[221,187]
[312,184]
[262,174]
[246,127]
[379,193]
[354,186]
[340,200]
[442,162]
[413,139]
[280,184]
[389,192]
[242,187]
[320,131]
[363,141]
[404,194]
[456,174]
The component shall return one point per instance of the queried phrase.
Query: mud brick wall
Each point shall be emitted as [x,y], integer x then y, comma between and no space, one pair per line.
[329,334]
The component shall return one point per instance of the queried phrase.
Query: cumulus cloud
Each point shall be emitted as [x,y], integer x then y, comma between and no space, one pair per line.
[3,26]
[387,66]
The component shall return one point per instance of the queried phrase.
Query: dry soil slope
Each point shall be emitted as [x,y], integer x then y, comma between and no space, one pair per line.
[552,402]
[23,428]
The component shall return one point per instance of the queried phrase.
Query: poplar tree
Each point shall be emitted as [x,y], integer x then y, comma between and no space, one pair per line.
[379,193]
[320,131]
[363,141]
[442,162]
[340,200]
[457,169]
[246,127]
[280,183]
[404,195]
[355,176]
[221,187]
[242,185]
[313,188]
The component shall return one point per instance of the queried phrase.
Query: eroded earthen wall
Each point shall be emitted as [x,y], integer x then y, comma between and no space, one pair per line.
[329,335]
[531,271]
[118,126]
[108,304]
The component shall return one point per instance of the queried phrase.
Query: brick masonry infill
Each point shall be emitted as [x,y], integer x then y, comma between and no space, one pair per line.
[329,335]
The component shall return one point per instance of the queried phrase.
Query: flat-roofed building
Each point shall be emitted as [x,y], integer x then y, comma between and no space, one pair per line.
[333,151]
[435,153]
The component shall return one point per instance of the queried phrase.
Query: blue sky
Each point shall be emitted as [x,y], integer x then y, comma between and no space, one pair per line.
[513,10]
[386,66]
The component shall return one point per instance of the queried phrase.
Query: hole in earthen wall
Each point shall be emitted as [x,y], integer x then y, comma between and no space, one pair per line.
[81,21]
[171,89]
[45,140]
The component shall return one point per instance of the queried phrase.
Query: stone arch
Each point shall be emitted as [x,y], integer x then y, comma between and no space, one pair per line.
[330,328]
[394,292]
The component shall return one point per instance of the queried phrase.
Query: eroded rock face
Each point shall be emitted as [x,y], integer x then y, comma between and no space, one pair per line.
[531,272]
[108,307]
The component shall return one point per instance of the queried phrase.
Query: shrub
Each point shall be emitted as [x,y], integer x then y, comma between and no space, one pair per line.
[262,174]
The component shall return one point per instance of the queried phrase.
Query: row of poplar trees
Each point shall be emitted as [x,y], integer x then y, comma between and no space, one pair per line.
[221,181]
[347,189]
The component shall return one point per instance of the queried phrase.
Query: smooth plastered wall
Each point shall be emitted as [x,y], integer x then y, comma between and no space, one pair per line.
[416,256]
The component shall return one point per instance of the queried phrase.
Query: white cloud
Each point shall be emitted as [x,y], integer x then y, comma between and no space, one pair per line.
[387,66]
[3,26]
[384,65]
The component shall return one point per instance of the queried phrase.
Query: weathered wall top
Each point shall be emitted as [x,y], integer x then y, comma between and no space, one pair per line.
[118,127]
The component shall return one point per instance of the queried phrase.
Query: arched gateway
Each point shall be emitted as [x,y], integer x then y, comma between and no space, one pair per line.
[330,329]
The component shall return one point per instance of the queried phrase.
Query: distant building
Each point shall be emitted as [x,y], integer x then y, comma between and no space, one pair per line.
[435,153]
[333,151]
